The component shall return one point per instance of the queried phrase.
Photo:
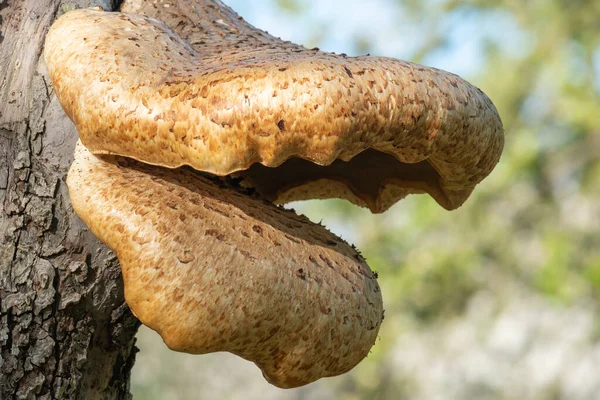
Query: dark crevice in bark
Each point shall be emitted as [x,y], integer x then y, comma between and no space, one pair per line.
[55,282]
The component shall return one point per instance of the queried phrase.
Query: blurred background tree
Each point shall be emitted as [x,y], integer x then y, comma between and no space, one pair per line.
[499,299]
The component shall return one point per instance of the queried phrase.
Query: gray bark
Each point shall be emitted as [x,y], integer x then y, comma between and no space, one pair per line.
[65,330]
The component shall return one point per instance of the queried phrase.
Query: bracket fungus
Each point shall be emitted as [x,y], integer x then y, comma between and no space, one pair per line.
[166,85]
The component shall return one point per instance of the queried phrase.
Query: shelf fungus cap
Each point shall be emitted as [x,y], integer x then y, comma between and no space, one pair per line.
[212,269]
[223,97]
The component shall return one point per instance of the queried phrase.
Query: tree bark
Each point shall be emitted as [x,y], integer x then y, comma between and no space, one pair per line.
[65,330]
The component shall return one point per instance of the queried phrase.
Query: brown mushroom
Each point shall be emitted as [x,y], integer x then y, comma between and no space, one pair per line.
[212,268]
[222,96]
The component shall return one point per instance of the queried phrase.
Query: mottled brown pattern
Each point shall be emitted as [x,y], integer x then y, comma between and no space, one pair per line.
[212,269]
[219,95]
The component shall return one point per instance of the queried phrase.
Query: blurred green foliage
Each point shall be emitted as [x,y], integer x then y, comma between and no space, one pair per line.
[536,218]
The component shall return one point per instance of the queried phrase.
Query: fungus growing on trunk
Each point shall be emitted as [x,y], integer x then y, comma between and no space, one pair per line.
[167,84]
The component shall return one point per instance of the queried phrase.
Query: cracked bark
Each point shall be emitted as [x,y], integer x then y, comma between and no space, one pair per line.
[65,330]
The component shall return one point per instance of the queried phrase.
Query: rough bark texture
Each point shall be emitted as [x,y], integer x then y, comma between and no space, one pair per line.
[65,330]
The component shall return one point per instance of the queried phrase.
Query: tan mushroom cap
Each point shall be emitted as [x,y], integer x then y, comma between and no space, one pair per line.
[211,269]
[222,96]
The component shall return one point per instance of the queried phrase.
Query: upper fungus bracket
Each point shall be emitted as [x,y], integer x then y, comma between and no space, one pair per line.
[243,98]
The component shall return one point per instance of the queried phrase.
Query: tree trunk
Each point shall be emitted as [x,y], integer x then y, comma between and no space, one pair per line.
[65,330]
